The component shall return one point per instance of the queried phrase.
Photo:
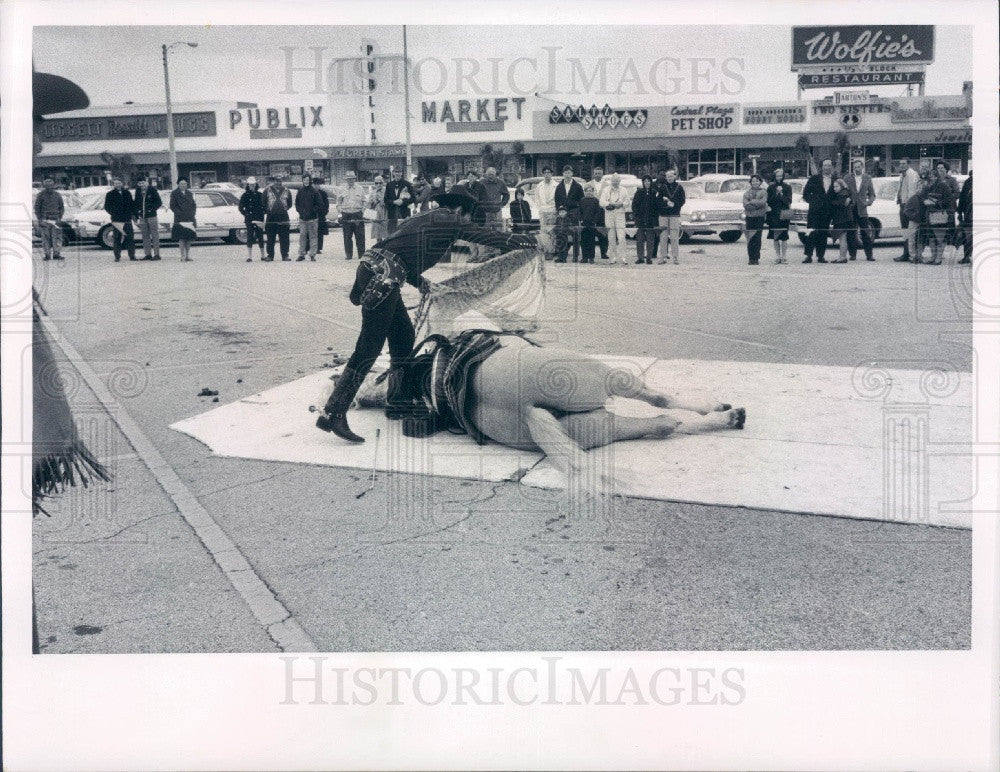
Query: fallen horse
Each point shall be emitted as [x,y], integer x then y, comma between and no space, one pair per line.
[503,387]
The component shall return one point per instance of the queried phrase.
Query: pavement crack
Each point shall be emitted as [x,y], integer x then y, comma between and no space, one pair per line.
[207,494]
[116,533]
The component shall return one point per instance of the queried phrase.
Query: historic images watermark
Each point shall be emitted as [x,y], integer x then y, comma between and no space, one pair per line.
[316,70]
[318,680]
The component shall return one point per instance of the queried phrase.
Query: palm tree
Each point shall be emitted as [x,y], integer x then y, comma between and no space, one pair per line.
[121,166]
[842,145]
[803,146]
[499,156]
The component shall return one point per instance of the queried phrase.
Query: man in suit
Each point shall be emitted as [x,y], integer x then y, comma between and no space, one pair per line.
[119,206]
[909,181]
[817,194]
[670,199]
[965,220]
[399,196]
[569,193]
[862,191]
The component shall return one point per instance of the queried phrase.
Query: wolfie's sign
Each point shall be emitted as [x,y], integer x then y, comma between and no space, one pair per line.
[862,45]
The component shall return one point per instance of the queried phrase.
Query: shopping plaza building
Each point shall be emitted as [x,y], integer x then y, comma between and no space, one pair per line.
[329,135]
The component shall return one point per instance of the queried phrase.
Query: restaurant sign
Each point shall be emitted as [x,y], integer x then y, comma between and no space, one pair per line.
[840,80]
[866,44]
[595,117]
[127,127]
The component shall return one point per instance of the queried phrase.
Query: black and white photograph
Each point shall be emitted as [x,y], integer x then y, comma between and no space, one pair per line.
[624,358]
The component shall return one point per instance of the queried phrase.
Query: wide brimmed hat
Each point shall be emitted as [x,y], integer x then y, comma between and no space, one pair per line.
[55,94]
[456,200]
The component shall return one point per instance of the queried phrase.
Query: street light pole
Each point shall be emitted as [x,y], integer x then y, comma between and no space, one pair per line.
[170,122]
[170,114]
[406,108]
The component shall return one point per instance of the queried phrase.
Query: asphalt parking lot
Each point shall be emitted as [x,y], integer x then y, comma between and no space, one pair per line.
[117,569]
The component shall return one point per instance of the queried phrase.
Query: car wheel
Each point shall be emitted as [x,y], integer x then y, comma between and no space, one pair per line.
[236,236]
[876,228]
[730,236]
[106,237]
[803,238]
[685,238]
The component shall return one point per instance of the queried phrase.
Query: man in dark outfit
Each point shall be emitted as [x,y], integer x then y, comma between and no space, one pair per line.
[569,194]
[398,199]
[119,205]
[417,245]
[965,220]
[818,193]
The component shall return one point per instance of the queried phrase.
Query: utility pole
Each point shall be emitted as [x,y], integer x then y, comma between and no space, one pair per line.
[406,108]
[170,122]
[170,113]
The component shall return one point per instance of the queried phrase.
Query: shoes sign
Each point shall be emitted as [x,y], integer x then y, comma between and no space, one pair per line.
[595,117]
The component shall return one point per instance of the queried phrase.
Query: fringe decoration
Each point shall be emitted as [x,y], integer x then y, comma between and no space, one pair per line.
[65,467]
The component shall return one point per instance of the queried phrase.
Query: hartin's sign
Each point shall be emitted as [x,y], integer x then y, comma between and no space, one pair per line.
[478,115]
[273,122]
[862,45]
[599,117]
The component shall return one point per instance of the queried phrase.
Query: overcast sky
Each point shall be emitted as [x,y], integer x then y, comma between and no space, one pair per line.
[118,64]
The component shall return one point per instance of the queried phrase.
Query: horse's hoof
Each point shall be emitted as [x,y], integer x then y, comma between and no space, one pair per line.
[740,416]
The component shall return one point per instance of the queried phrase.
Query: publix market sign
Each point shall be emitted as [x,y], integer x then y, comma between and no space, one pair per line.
[463,115]
[595,117]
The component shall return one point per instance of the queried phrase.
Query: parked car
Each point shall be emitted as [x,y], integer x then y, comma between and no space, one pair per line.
[700,216]
[332,217]
[528,185]
[218,218]
[230,187]
[726,187]
[883,214]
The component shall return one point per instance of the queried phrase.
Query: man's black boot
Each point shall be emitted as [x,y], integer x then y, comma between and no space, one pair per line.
[334,415]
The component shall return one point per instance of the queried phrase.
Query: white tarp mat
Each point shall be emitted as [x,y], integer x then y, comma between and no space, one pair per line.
[864,443]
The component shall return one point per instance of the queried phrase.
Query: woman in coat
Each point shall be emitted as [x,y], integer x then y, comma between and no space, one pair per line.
[520,212]
[323,225]
[844,224]
[939,214]
[376,203]
[184,208]
[755,208]
[646,217]
[252,208]
[779,202]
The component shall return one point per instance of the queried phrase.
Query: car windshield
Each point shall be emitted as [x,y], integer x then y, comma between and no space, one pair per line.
[796,187]
[729,185]
[91,201]
[693,189]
